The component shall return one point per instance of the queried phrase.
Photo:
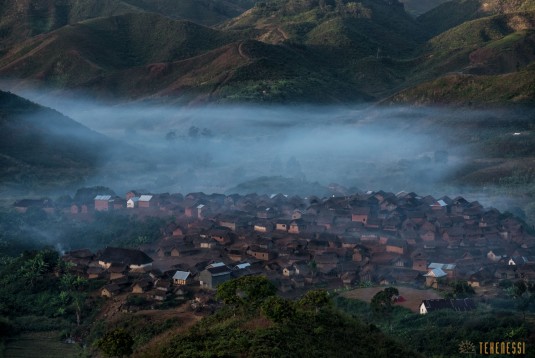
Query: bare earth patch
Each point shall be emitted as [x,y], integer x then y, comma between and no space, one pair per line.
[413,297]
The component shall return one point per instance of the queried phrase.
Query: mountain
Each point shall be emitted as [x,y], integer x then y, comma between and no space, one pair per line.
[274,51]
[358,28]
[75,54]
[23,19]
[40,146]
[116,56]
[456,12]
[482,61]
[462,89]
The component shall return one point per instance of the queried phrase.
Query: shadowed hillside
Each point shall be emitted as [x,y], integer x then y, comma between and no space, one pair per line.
[42,147]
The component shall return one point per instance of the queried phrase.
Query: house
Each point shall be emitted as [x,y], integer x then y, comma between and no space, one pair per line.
[517,261]
[288,271]
[261,253]
[263,226]
[110,290]
[296,226]
[23,205]
[147,201]
[212,277]
[326,262]
[459,305]
[182,278]
[132,202]
[397,246]
[433,276]
[234,222]
[94,272]
[419,263]
[182,249]
[203,242]
[134,259]
[480,278]
[360,214]
[449,269]
[496,255]
[117,270]
[266,213]
[142,286]
[103,203]
[282,225]
[439,205]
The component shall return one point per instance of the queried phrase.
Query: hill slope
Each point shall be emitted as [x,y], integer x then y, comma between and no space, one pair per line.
[277,51]
[456,12]
[21,20]
[487,60]
[42,147]
[177,60]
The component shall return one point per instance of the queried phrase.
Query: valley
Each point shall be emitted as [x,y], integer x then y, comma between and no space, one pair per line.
[267,178]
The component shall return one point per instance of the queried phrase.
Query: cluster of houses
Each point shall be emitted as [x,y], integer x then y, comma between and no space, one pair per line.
[331,242]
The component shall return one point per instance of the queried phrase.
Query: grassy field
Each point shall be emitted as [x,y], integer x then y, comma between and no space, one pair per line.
[413,297]
[39,344]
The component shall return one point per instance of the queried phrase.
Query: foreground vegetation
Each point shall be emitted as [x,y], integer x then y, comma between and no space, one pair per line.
[38,294]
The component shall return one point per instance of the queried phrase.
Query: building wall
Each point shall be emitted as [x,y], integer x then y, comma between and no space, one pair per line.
[102,205]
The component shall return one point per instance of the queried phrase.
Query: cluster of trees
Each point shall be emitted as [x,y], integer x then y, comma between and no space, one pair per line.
[256,322]
[442,331]
[37,292]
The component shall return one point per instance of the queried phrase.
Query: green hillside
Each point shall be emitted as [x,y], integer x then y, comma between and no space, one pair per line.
[419,7]
[458,89]
[276,52]
[359,28]
[118,57]
[256,323]
[78,53]
[23,19]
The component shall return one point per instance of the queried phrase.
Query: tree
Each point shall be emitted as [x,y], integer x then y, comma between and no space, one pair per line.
[382,300]
[462,289]
[246,290]
[315,299]
[116,343]
[278,309]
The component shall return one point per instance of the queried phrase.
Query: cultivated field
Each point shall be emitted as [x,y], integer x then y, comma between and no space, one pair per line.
[413,297]
[39,344]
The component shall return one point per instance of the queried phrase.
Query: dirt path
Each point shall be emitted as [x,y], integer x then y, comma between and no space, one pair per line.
[282,33]
[42,45]
[242,54]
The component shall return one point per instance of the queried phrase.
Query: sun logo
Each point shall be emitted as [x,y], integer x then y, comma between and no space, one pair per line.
[467,347]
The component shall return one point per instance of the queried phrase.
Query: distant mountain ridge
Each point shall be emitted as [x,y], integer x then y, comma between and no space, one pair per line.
[275,51]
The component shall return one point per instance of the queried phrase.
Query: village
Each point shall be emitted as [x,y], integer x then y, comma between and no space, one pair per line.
[338,242]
